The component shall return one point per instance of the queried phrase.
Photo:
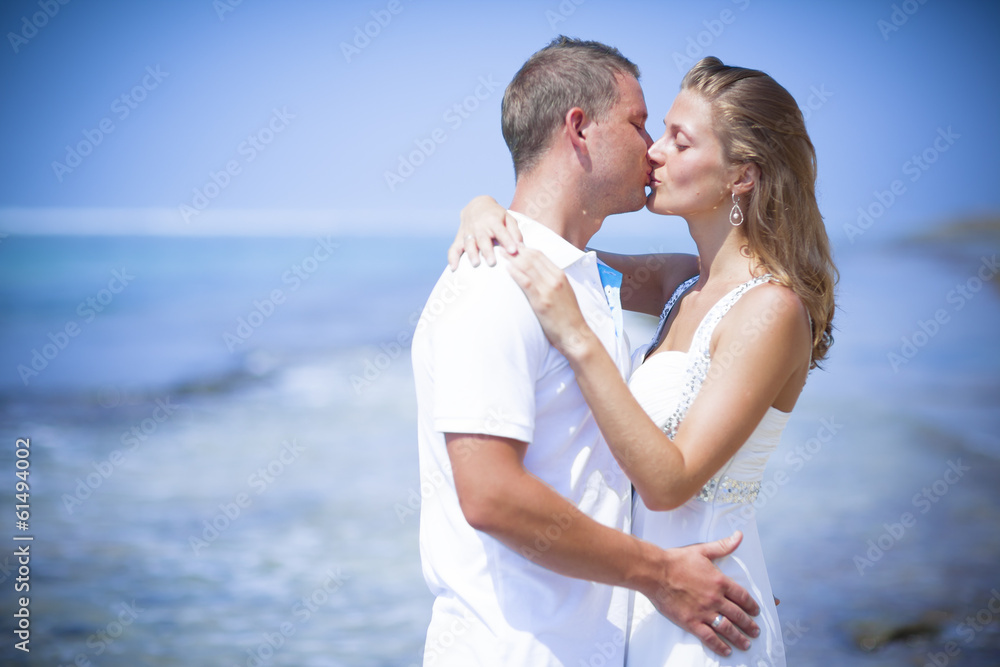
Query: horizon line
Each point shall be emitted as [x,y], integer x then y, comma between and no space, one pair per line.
[246,222]
[86,221]
[168,221]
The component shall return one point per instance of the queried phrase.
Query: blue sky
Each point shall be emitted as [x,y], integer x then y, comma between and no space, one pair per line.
[260,107]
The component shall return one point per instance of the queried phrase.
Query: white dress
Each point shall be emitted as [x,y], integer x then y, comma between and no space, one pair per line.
[665,385]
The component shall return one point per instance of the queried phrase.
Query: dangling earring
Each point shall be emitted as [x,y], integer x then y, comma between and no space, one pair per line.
[736,215]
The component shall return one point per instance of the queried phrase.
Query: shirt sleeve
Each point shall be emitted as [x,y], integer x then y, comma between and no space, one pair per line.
[487,349]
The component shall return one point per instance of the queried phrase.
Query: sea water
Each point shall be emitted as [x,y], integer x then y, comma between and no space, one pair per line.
[223,460]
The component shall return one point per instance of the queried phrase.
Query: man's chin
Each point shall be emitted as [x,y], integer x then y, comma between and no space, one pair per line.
[632,206]
[638,205]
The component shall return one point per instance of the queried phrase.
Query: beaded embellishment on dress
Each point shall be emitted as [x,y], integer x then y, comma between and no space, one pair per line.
[726,490]
[721,488]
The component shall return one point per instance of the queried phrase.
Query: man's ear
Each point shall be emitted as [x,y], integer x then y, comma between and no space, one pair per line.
[746,178]
[577,125]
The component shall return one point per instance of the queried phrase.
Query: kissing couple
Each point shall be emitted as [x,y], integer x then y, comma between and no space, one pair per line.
[589,493]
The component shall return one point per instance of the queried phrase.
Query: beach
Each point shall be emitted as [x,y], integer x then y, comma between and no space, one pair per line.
[223,456]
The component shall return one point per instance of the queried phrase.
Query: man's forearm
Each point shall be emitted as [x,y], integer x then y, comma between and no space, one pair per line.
[535,521]
[500,498]
[679,582]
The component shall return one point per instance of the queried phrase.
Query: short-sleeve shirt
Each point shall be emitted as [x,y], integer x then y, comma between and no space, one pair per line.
[482,365]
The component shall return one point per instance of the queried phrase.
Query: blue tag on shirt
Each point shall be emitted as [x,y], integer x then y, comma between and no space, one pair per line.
[612,282]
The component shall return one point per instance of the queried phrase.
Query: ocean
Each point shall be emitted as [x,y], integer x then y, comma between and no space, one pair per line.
[222,461]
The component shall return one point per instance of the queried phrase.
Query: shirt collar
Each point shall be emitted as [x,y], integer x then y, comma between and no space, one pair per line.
[536,235]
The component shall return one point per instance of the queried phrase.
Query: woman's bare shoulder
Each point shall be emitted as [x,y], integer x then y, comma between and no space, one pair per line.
[775,309]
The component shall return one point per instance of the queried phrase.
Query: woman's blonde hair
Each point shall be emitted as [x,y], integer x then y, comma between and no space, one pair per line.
[758,121]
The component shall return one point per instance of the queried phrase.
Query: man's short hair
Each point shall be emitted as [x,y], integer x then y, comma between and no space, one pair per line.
[565,74]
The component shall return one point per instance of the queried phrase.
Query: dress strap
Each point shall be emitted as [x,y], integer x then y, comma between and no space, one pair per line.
[703,335]
[678,293]
[699,358]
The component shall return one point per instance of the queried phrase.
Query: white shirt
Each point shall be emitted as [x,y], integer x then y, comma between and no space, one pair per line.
[482,364]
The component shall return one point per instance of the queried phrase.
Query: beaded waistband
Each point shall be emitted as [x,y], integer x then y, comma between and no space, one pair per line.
[726,490]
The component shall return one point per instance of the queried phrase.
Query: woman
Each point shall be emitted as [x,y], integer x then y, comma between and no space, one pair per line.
[735,342]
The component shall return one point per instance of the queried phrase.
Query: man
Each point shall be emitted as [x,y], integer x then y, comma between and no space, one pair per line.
[525,539]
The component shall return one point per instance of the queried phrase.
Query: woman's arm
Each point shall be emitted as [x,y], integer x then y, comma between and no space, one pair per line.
[756,356]
[647,280]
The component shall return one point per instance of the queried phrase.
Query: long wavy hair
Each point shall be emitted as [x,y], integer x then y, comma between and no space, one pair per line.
[758,121]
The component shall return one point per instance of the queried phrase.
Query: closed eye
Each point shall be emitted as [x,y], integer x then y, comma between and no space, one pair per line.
[680,141]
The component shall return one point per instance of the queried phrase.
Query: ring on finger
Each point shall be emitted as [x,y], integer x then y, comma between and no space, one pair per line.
[469,236]
[717,621]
